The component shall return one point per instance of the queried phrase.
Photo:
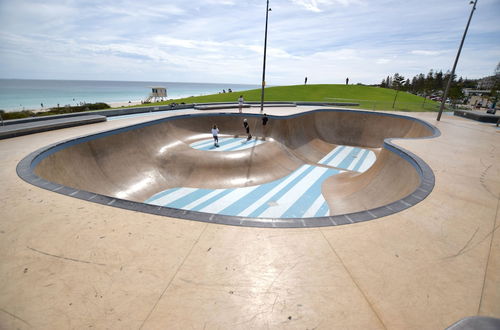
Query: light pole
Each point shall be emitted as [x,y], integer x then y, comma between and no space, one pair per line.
[445,96]
[264,65]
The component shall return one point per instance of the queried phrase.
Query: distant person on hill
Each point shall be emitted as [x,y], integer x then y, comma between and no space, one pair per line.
[215,134]
[247,128]
[305,81]
[347,81]
[229,90]
[240,102]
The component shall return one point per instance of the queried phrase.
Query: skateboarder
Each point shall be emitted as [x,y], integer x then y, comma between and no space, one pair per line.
[215,134]
[247,128]
[265,119]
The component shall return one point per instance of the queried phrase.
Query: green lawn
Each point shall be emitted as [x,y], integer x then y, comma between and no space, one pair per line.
[368,97]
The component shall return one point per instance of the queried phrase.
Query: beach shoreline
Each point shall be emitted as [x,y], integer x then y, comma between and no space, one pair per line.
[113,105]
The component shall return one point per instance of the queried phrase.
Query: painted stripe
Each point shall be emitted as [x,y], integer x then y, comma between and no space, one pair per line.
[222,143]
[264,199]
[159,195]
[348,159]
[208,196]
[205,142]
[227,200]
[369,161]
[315,207]
[293,194]
[361,160]
[182,202]
[226,144]
[361,155]
[246,145]
[211,200]
[328,158]
[274,198]
[309,195]
[324,211]
[172,195]
[243,202]
[235,144]
[340,157]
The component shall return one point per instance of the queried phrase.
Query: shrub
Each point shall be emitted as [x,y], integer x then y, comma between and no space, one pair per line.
[16,114]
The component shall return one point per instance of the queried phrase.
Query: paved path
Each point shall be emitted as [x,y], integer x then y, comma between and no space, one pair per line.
[32,127]
[66,263]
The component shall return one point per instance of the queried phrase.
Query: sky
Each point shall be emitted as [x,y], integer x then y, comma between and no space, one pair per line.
[221,41]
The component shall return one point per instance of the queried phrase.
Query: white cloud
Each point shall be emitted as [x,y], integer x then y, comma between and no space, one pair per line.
[222,41]
[314,5]
[383,61]
[426,52]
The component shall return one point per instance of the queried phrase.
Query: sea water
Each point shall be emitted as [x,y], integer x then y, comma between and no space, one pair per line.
[21,94]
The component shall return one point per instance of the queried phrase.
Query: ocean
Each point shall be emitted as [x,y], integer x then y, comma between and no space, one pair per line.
[24,94]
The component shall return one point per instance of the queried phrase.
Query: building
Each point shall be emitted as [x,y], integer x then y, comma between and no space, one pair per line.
[157,94]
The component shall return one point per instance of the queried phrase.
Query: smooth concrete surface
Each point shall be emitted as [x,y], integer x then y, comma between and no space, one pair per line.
[141,162]
[67,263]
[31,127]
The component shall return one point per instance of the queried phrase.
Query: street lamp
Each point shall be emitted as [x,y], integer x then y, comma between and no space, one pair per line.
[445,96]
[264,65]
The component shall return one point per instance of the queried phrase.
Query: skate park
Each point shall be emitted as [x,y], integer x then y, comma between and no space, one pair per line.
[82,240]
[321,144]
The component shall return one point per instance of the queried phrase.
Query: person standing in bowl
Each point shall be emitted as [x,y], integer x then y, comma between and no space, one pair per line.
[215,134]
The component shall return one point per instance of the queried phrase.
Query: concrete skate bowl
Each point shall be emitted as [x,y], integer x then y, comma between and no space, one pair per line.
[127,167]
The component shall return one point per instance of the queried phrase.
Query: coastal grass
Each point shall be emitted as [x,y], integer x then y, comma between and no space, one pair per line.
[53,111]
[367,97]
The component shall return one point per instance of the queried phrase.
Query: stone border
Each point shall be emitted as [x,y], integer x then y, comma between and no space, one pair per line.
[25,170]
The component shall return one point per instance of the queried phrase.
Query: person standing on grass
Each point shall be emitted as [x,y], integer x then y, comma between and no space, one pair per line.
[240,102]
[215,134]
[247,128]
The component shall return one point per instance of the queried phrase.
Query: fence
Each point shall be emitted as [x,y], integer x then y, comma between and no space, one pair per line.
[426,105]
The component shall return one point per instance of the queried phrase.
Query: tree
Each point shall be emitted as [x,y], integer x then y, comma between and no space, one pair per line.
[397,82]
[407,85]
[439,82]
[455,94]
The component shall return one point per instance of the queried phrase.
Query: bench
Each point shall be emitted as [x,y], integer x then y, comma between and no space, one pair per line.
[220,106]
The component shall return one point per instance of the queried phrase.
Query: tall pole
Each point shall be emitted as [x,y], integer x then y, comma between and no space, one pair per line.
[264,65]
[445,96]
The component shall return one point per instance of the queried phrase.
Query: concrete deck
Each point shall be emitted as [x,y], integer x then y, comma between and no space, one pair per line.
[31,127]
[67,263]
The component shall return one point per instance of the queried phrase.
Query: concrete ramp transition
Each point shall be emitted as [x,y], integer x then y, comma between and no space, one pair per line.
[125,167]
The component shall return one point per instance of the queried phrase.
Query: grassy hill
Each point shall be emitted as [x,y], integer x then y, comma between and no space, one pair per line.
[368,97]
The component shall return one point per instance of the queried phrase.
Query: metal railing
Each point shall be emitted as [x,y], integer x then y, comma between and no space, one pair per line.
[426,105]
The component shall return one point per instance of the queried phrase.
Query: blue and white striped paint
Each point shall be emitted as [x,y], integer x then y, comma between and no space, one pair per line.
[297,195]
[226,144]
[349,158]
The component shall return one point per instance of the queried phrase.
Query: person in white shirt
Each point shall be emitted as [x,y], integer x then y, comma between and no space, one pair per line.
[215,133]
[240,102]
